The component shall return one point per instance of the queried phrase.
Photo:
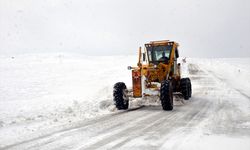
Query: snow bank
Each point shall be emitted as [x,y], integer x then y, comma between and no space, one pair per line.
[48,89]
[235,71]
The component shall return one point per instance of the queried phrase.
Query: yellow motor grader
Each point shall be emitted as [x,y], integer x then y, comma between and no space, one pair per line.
[157,74]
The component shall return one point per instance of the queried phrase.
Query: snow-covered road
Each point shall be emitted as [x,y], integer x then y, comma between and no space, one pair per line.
[216,117]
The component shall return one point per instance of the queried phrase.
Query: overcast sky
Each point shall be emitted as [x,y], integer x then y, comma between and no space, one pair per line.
[203,28]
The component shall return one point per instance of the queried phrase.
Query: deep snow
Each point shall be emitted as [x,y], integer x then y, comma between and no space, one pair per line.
[41,93]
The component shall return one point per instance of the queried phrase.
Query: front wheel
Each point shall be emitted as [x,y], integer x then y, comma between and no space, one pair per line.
[120,96]
[166,95]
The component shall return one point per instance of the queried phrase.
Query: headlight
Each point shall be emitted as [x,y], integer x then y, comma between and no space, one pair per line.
[129,67]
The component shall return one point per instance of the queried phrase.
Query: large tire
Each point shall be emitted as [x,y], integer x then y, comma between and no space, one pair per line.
[119,94]
[189,88]
[185,88]
[166,95]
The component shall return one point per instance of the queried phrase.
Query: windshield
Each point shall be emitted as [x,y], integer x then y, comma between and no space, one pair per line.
[159,54]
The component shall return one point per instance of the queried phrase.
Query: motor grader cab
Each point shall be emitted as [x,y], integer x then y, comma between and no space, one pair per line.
[157,74]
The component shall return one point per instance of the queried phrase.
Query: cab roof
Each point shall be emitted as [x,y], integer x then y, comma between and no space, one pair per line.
[162,42]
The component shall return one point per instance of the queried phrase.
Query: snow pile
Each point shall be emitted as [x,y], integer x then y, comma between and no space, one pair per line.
[233,71]
[39,90]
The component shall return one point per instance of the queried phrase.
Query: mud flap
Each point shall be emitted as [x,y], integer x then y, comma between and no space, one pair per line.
[137,89]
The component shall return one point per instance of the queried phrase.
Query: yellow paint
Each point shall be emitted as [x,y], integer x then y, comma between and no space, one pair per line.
[154,73]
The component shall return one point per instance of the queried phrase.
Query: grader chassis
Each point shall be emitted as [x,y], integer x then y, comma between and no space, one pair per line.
[157,74]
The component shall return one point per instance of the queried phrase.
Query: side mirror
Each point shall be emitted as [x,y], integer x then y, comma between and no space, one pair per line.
[129,67]
[143,56]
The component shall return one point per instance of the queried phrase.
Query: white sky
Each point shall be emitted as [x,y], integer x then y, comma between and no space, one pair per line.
[204,28]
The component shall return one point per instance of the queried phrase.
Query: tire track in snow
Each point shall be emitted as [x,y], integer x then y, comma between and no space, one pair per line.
[136,130]
[127,126]
[163,124]
[79,126]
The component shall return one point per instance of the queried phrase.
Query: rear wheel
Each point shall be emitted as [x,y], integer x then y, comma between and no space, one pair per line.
[120,96]
[166,95]
[189,88]
[186,88]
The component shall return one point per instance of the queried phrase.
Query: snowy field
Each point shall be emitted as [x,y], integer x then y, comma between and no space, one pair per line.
[42,94]
[46,90]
